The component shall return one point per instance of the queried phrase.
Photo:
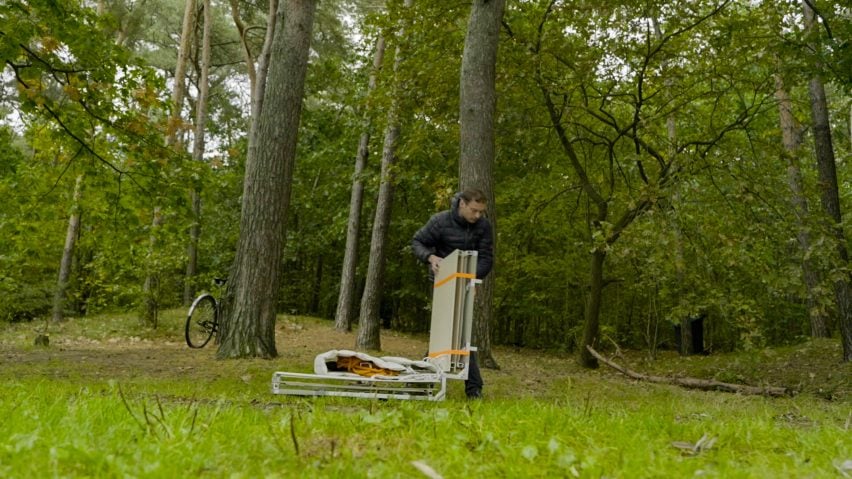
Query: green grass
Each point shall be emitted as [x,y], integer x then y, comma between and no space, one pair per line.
[198,417]
[59,429]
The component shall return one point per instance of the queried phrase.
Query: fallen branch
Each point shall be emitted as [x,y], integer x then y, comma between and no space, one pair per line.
[695,383]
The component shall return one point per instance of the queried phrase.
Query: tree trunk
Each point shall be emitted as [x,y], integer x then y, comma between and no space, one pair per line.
[791,137]
[150,308]
[241,29]
[151,288]
[684,329]
[248,326]
[67,253]
[369,326]
[316,290]
[829,197]
[477,109]
[179,90]
[346,298]
[591,325]
[198,155]
[258,89]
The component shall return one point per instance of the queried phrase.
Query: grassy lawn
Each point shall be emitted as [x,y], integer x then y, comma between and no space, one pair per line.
[110,398]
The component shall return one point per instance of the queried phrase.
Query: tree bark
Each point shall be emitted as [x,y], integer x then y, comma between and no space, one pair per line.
[369,326]
[67,253]
[249,306]
[150,288]
[198,156]
[251,71]
[369,329]
[477,109]
[346,298]
[686,343]
[829,192]
[150,308]
[258,89]
[791,138]
[179,90]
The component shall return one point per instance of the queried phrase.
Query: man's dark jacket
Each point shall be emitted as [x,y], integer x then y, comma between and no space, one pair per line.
[448,231]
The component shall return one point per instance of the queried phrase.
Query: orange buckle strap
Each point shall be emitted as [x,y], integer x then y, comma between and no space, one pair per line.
[460,352]
[454,276]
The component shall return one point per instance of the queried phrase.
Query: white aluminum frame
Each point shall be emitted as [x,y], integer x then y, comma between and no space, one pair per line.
[449,347]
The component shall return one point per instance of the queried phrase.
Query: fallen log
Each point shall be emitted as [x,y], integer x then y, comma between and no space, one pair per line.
[695,383]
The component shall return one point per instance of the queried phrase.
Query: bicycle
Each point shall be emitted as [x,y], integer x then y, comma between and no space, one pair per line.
[202,322]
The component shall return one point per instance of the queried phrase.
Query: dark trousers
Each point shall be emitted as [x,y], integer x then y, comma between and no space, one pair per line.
[473,385]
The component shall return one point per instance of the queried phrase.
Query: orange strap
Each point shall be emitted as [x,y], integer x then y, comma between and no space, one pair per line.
[363,368]
[454,276]
[460,352]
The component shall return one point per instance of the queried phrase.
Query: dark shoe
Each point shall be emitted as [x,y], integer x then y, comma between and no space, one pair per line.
[474,395]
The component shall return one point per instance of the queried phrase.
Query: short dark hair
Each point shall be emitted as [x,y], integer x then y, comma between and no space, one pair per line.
[473,194]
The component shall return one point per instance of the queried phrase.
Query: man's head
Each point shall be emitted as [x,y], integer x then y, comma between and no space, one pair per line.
[472,204]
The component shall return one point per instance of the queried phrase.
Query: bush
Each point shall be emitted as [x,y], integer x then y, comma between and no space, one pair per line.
[23,302]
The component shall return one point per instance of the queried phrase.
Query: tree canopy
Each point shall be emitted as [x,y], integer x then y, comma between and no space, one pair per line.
[639,175]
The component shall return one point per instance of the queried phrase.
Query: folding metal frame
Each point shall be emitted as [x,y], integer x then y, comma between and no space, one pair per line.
[449,347]
[452,314]
[430,387]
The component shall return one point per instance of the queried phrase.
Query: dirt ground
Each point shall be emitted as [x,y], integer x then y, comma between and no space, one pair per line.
[811,368]
[298,342]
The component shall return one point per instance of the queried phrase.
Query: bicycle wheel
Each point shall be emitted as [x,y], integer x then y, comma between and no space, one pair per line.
[201,322]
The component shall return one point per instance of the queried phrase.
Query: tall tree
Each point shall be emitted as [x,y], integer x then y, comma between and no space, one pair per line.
[68,252]
[686,339]
[369,326]
[248,325]
[791,139]
[257,75]
[346,296]
[201,105]
[477,109]
[628,131]
[179,88]
[173,140]
[827,172]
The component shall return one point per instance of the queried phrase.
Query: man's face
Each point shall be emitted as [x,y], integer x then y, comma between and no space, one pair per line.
[471,211]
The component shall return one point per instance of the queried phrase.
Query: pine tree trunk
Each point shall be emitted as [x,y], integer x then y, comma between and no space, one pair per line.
[369,325]
[249,305]
[369,329]
[346,298]
[478,105]
[150,308]
[179,90]
[251,71]
[198,155]
[67,253]
[258,89]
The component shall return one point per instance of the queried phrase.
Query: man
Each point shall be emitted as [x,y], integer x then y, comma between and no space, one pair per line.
[462,227]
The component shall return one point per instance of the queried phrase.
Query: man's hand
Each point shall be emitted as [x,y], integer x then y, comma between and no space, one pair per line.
[435,262]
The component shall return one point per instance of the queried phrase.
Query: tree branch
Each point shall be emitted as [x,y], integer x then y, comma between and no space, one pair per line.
[695,383]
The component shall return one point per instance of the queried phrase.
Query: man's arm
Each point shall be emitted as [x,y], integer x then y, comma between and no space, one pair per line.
[485,252]
[424,241]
